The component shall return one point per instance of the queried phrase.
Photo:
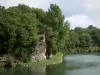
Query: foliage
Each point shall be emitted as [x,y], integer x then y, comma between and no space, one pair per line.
[55,20]
[18,31]
[20,26]
[84,38]
[56,59]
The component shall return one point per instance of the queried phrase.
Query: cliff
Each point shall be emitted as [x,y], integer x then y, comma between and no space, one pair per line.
[40,50]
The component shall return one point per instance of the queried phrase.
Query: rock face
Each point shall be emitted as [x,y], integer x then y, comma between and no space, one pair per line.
[40,50]
[7,57]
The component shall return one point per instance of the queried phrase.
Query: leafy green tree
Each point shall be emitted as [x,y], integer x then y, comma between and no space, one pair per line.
[80,30]
[55,20]
[96,37]
[85,40]
[20,26]
[40,16]
[18,31]
[73,40]
[63,36]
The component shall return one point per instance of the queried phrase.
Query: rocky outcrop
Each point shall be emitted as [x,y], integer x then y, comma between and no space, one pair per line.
[7,60]
[6,57]
[40,50]
[37,55]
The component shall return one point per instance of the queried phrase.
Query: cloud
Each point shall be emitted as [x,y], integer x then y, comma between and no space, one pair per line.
[85,11]
[92,4]
[70,7]
[8,3]
[80,20]
[44,4]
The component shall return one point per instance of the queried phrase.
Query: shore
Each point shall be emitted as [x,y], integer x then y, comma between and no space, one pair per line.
[56,59]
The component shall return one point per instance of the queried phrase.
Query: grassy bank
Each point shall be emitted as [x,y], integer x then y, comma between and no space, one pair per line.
[56,59]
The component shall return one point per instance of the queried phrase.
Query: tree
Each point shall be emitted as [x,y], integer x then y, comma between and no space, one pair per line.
[80,30]
[55,20]
[96,37]
[85,40]
[73,39]
[63,36]
[40,16]
[20,26]
[18,31]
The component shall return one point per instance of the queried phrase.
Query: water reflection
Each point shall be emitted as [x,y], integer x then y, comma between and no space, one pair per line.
[88,71]
[72,65]
[87,64]
[56,69]
[37,70]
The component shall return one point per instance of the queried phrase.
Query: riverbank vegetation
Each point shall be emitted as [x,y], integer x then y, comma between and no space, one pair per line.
[84,39]
[56,59]
[20,26]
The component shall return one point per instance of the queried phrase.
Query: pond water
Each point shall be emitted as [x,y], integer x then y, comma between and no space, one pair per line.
[78,64]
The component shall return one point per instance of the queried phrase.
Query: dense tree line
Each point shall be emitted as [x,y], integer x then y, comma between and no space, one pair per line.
[20,26]
[84,38]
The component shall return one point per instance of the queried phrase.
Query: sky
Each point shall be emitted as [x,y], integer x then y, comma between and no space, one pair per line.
[80,13]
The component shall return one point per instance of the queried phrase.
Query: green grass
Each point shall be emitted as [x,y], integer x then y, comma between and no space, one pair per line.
[56,59]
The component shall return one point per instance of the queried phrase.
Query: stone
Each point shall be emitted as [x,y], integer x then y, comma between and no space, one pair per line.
[40,50]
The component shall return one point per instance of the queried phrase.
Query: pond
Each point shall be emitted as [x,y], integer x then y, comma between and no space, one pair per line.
[78,64]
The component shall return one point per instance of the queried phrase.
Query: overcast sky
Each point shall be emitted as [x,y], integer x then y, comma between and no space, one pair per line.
[80,13]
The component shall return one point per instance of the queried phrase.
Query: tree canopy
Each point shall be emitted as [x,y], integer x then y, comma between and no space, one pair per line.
[20,26]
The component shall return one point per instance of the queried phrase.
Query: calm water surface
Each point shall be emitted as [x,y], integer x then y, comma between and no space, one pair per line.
[78,64]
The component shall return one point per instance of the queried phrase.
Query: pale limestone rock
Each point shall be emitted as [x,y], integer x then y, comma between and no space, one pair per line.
[40,50]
